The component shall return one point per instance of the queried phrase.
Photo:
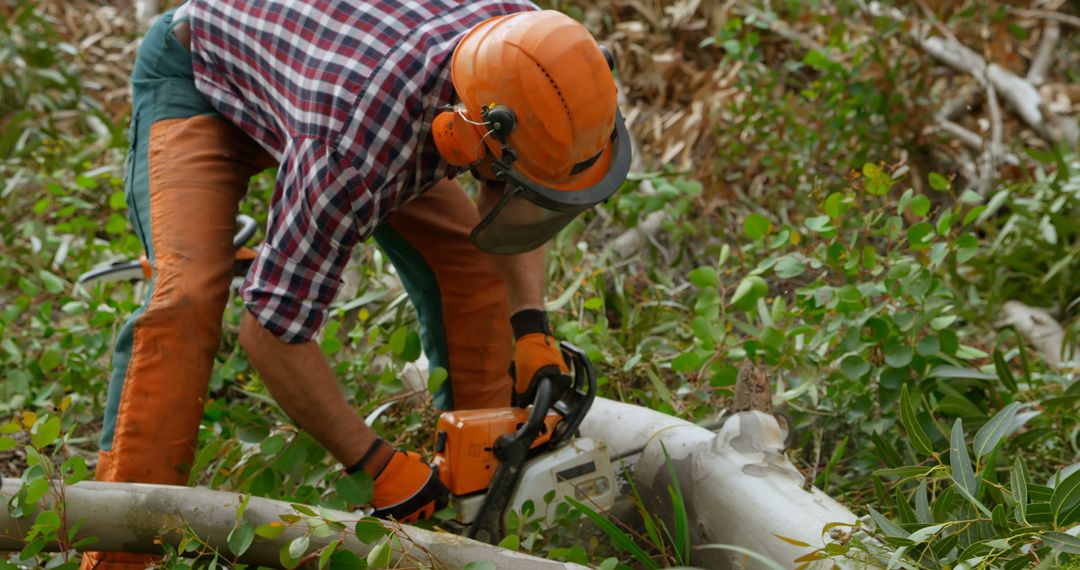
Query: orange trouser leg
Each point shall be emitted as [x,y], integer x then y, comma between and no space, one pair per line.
[198,171]
[476,341]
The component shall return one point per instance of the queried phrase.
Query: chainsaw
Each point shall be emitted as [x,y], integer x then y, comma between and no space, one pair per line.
[497,461]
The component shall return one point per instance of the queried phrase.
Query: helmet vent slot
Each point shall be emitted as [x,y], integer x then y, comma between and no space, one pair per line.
[558,91]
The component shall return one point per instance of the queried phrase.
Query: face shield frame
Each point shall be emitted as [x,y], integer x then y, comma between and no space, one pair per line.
[500,234]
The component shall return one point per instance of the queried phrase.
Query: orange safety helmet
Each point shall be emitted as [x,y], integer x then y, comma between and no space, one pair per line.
[538,99]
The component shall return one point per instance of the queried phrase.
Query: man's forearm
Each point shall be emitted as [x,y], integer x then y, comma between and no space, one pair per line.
[524,277]
[300,380]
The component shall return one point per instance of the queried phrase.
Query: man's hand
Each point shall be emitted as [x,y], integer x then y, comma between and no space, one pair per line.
[536,356]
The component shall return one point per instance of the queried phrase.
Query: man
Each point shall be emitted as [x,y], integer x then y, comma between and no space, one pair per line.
[369,110]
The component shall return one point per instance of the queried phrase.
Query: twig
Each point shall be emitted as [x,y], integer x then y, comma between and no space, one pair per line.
[1051,15]
[780,28]
[970,139]
[1044,56]
[990,157]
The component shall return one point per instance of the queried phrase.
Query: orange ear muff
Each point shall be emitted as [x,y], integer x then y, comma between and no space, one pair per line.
[459,142]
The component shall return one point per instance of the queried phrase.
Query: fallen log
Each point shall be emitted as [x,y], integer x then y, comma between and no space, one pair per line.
[1041,330]
[738,486]
[133,517]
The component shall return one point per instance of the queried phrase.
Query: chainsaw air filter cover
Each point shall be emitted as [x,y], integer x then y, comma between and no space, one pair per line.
[464,443]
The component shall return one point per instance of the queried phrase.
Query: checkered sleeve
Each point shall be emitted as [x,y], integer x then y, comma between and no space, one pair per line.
[310,233]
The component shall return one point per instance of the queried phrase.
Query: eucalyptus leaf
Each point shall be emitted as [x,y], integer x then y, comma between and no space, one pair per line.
[993,431]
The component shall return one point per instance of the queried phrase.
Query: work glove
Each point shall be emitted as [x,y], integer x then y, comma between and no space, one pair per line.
[536,355]
[406,488]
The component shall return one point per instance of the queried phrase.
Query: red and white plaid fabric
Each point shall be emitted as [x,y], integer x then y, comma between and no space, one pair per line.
[342,93]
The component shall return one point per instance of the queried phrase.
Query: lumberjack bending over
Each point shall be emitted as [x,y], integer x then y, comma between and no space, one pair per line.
[369,110]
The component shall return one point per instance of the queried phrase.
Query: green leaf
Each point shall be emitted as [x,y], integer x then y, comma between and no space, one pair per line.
[7,443]
[619,538]
[357,488]
[45,431]
[704,276]
[925,533]
[789,266]
[961,372]
[240,538]
[397,340]
[436,379]
[116,224]
[52,283]
[836,205]
[328,553]
[1003,371]
[897,354]
[412,348]
[920,205]
[819,224]
[346,560]
[681,541]
[73,469]
[938,182]
[1066,495]
[993,431]
[686,362]
[511,542]
[379,556]
[609,564]
[915,432]
[483,564]
[922,504]
[876,181]
[50,359]
[997,517]
[270,530]
[1018,486]
[117,200]
[920,234]
[1062,542]
[370,530]
[756,226]
[748,292]
[887,526]
[298,547]
[959,460]
[854,367]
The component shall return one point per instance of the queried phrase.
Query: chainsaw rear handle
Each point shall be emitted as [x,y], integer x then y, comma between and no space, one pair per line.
[134,270]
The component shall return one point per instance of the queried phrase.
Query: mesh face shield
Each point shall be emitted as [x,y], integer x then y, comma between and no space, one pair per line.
[529,213]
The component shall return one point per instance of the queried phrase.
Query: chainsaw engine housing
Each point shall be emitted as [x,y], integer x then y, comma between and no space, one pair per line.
[580,469]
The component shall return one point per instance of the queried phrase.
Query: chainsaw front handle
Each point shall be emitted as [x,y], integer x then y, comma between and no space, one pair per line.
[576,402]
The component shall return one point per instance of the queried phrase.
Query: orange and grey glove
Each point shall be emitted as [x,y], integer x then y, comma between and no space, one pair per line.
[536,355]
[406,488]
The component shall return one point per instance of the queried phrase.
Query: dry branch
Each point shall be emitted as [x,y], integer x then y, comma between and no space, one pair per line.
[1021,94]
[1044,55]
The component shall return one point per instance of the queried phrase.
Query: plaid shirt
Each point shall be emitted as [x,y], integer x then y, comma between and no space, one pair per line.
[342,93]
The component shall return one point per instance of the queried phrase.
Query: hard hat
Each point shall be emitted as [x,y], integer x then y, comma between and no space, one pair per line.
[538,99]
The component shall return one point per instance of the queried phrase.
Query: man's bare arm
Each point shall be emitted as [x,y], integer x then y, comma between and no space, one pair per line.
[301,381]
